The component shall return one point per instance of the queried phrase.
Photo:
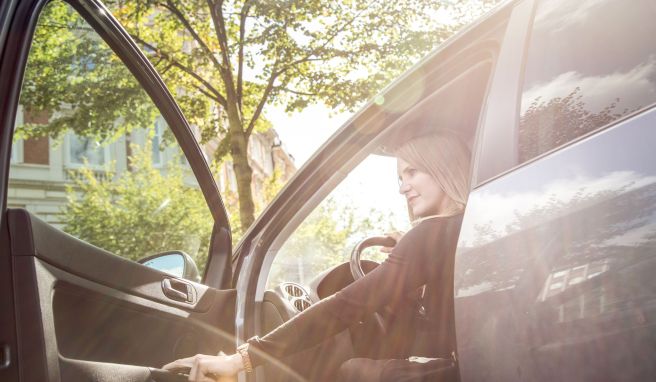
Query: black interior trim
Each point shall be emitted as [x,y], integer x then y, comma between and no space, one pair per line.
[72,318]
[31,236]
[77,370]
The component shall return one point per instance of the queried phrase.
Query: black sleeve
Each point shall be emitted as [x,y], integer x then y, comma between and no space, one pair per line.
[405,269]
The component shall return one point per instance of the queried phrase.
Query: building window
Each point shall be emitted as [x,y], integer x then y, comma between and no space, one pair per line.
[157,146]
[17,144]
[17,151]
[232,177]
[86,151]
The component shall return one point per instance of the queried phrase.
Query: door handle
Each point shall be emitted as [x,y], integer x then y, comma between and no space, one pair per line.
[178,290]
[5,356]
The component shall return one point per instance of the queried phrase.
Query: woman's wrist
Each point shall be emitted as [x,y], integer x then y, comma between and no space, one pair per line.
[236,362]
[242,350]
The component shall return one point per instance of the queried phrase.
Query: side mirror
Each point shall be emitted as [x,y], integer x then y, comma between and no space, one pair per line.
[176,263]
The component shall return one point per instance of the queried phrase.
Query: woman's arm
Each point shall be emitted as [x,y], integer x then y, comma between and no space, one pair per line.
[406,269]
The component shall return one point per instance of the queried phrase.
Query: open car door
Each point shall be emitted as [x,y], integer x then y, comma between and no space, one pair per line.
[70,310]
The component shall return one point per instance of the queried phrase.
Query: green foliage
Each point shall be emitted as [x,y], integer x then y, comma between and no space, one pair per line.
[243,56]
[285,52]
[324,239]
[76,78]
[225,62]
[140,212]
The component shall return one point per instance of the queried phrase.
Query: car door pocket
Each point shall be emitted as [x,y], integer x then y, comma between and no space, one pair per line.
[179,290]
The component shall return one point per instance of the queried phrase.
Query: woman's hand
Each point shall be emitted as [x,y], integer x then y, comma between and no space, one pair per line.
[208,368]
[396,235]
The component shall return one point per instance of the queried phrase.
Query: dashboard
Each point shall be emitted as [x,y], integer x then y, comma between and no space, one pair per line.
[289,299]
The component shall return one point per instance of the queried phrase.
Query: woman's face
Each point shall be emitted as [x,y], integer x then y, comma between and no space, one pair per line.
[423,194]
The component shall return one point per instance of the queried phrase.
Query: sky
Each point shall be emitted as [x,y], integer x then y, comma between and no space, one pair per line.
[371,185]
[302,133]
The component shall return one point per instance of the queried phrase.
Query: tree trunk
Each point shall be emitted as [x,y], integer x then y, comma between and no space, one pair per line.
[243,171]
[244,175]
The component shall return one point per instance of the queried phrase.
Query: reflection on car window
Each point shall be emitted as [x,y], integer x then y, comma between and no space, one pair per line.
[92,154]
[556,261]
[589,64]
[366,203]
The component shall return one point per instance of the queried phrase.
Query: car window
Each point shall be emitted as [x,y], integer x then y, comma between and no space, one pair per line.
[589,63]
[365,203]
[91,153]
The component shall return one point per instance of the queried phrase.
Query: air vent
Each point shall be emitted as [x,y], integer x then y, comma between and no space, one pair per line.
[301,305]
[294,290]
[297,296]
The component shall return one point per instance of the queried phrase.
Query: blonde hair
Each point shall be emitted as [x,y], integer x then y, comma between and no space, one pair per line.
[446,158]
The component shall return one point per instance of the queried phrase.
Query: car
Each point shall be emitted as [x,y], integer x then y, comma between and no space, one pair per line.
[553,274]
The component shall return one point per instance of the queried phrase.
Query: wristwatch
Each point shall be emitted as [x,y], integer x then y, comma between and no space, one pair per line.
[245,358]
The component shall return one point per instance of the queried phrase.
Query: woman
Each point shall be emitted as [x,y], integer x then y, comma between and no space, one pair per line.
[433,176]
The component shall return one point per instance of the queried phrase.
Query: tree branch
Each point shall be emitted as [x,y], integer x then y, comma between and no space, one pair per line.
[260,105]
[180,16]
[275,73]
[210,95]
[299,61]
[173,62]
[242,31]
[325,43]
[294,91]
[216,10]
[219,26]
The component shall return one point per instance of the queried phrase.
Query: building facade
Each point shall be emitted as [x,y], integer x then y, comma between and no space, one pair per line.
[44,168]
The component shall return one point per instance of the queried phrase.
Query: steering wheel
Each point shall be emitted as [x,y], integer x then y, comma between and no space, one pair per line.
[358,273]
[373,241]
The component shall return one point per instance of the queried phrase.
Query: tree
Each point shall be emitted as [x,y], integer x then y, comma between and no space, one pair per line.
[78,80]
[547,124]
[245,55]
[141,212]
[226,61]
[146,211]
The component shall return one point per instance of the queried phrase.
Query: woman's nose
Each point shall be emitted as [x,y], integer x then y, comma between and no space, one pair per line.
[403,188]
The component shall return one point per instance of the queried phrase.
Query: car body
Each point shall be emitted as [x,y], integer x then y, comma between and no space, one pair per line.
[554,267]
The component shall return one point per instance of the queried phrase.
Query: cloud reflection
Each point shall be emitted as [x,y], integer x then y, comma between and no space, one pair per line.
[500,213]
[631,87]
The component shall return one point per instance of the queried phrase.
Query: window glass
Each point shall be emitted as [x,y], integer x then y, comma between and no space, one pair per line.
[366,203]
[157,143]
[16,152]
[94,156]
[86,151]
[17,147]
[589,63]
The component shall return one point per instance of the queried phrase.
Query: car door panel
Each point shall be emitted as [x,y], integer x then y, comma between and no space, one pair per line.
[566,280]
[70,315]
[72,311]
[30,236]
[76,370]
